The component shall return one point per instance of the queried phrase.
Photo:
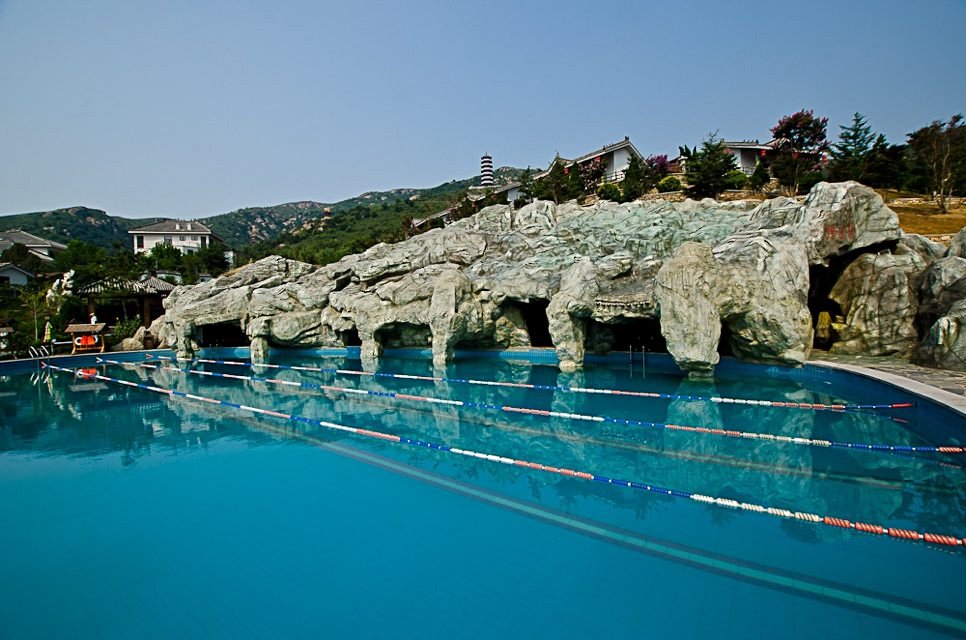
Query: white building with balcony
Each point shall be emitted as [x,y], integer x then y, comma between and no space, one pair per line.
[187,237]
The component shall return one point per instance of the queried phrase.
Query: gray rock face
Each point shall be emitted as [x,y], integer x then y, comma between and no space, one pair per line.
[580,274]
[957,246]
[942,313]
[755,282]
[877,293]
[927,249]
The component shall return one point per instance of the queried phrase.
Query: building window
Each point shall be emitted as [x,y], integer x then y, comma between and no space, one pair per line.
[4,280]
[194,238]
[140,241]
[204,241]
[180,238]
[168,240]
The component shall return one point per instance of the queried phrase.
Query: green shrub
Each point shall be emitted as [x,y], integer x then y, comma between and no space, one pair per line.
[760,177]
[670,183]
[736,179]
[126,329]
[609,191]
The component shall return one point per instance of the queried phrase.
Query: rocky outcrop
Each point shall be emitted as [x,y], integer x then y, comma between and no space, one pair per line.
[878,294]
[942,314]
[755,282]
[581,275]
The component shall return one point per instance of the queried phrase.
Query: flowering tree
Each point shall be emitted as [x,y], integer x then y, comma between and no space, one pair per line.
[801,141]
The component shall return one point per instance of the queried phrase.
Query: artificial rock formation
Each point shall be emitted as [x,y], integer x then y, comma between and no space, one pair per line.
[581,275]
[942,314]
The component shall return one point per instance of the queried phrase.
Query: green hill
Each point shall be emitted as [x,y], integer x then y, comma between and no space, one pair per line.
[357,222]
[76,223]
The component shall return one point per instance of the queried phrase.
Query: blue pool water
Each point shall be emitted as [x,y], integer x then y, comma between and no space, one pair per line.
[126,514]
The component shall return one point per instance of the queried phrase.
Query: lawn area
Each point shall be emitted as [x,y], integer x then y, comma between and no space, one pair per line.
[918,215]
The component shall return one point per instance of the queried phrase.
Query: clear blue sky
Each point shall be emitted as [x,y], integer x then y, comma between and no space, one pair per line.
[186,109]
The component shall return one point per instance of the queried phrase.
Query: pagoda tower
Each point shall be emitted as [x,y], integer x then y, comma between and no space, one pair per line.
[486,171]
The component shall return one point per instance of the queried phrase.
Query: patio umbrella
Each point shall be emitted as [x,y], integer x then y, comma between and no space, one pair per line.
[48,332]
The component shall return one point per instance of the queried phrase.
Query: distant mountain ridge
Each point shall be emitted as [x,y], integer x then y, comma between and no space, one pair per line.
[238,228]
[76,223]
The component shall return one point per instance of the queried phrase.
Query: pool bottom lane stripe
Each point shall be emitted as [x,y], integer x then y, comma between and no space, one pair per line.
[544,387]
[730,433]
[874,529]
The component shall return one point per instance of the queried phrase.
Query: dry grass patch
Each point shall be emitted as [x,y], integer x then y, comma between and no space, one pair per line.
[919,215]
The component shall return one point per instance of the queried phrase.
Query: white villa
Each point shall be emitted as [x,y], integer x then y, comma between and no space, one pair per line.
[12,275]
[615,157]
[188,237]
[748,152]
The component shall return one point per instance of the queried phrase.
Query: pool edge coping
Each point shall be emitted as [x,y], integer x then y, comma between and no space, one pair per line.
[950,400]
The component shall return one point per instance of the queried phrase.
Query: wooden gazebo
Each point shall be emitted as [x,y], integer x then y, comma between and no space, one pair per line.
[147,293]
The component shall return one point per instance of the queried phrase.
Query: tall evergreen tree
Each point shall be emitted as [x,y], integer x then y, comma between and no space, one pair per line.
[759,177]
[555,184]
[526,184]
[634,184]
[850,154]
[884,164]
[706,168]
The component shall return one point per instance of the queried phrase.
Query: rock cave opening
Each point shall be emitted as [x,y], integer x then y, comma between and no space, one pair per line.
[404,334]
[821,281]
[350,338]
[534,314]
[724,342]
[626,334]
[223,334]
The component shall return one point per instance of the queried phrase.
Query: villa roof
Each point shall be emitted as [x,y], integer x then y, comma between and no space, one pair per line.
[148,286]
[29,240]
[10,265]
[174,226]
[750,144]
[626,142]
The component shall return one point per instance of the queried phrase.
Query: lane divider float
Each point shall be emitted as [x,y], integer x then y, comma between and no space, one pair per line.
[544,387]
[730,433]
[872,529]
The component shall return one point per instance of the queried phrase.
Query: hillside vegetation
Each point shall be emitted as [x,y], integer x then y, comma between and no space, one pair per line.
[375,214]
[76,223]
[361,222]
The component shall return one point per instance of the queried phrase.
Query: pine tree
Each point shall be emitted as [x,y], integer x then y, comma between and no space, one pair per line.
[706,168]
[526,184]
[850,155]
[760,177]
[634,184]
[555,184]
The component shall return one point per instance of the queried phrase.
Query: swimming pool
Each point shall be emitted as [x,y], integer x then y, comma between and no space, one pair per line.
[130,512]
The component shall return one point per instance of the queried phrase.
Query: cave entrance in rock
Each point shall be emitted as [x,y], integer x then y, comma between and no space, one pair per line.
[624,335]
[404,334]
[724,341]
[534,314]
[223,334]
[821,280]
[350,338]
